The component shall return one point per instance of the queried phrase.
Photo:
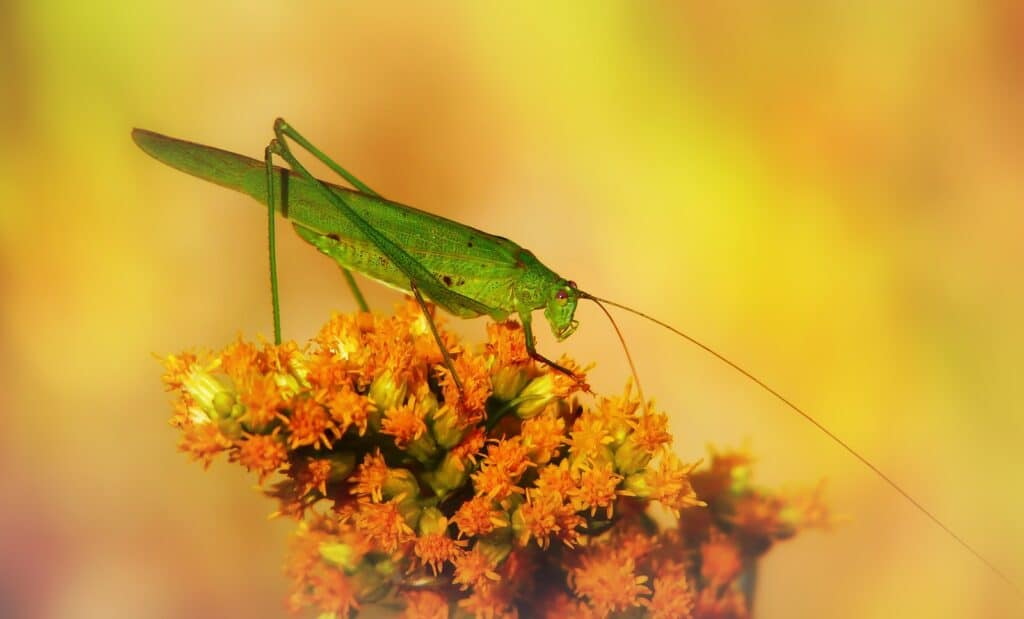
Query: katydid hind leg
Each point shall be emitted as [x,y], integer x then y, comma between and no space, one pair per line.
[282,128]
[426,281]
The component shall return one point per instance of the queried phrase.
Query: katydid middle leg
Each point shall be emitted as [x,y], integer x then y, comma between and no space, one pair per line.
[437,337]
[268,159]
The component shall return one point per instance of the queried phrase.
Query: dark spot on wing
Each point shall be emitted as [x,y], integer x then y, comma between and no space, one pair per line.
[519,259]
[470,243]
[447,280]
[334,237]
[460,282]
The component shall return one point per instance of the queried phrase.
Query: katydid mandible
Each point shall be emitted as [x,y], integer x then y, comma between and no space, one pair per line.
[465,271]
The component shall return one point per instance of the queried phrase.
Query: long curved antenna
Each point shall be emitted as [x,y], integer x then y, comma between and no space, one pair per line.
[625,348]
[853,452]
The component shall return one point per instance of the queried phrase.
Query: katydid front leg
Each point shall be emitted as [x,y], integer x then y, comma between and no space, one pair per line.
[531,347]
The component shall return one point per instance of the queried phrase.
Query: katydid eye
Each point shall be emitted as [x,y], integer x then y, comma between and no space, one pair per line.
[562,296]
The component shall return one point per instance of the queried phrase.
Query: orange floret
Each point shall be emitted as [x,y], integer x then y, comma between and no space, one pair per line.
[177,368]
[589,438]
[650,433]
[608,581]
[672,598]
[203,441]
[384,524]
[263,453]
[368,480]
[507,342]
[262,400]
[546,515]
[436,549]
[596,489]
[405,422]
[670,484]
[349,409]
[556,478]
[308,424]
[543,435]
[474,569]
[312,473]
[478,516]
[476,387]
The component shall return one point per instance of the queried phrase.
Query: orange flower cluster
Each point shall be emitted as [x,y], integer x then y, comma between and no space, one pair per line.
[516,497]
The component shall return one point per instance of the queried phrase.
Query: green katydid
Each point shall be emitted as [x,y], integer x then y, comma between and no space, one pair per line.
[465,271]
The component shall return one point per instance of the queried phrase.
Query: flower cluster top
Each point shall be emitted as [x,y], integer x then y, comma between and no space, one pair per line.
[515,496]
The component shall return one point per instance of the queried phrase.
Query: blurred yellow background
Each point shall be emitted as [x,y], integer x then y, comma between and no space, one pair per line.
[828,192]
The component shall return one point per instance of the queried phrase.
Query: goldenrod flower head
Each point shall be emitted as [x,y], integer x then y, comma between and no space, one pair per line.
[518,496]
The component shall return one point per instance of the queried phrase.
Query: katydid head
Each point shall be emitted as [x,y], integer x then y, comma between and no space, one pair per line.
[560,310]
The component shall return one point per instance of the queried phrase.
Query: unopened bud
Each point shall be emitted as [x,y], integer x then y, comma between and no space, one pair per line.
[400,482]
[386,393]
[342,465]
[508,382]
[496,546]
[535,397]
[342,555]
[432,522]
[448,476]
[209,394]
[631,459]
[446,428]
[637,485]
[423,449]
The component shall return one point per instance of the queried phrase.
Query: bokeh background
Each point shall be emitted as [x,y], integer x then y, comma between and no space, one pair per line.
[829,192]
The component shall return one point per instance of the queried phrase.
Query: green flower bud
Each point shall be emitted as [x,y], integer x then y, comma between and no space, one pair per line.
[205,389]
[495,546]
[342,555]
[535,396]
[739,479]
[637,484]
[230,428]
[370,584]
[385,567]
[342,465]
[508,382]
[400,482]
[288,384]
[224,403]
[448,476]
[411,511]
[432,522]
[423,449]
[631,459]
[445,427]
[385,393]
